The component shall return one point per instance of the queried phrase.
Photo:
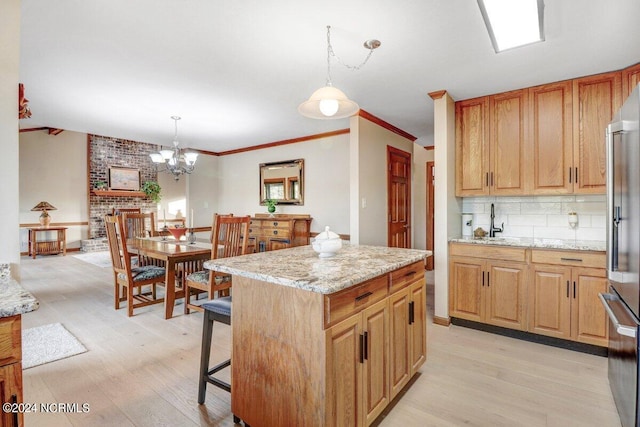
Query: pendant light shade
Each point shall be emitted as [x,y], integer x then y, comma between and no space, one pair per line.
[328,103]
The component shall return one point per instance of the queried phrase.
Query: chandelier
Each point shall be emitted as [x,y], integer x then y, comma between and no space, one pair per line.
[175,161]
[329,102]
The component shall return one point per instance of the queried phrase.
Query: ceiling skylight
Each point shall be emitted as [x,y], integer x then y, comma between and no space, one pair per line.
[513,23]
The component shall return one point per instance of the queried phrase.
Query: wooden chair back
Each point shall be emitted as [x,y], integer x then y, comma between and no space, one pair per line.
[229,234]
[120,211]
[139,225]
[120,258]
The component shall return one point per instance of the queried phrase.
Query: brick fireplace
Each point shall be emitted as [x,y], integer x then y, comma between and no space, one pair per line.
[105,152]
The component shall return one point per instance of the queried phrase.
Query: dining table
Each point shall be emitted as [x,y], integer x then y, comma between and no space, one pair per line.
[177,255]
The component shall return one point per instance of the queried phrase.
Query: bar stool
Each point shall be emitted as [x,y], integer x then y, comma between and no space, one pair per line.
[216,310]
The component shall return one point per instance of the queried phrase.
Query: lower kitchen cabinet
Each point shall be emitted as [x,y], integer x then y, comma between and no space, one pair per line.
[565,304]
[11,368]
[490,291]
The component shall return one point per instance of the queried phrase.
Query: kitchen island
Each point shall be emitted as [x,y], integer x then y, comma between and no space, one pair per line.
[14,301]
[324,342]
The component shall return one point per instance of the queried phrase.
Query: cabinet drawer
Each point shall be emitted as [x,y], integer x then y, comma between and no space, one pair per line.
[573,258]
[10,340]
[276,232]
[487,251]
[342,304]
[405,275]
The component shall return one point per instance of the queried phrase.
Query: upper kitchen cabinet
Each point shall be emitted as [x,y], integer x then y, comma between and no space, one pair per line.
[472,147]
[550,145]
[595,101]
[630,79]
[490,135]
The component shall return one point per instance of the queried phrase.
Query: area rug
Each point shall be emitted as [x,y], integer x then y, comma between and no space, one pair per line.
[47,343]
[100,258]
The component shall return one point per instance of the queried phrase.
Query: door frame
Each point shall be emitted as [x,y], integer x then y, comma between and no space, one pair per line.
[430,199]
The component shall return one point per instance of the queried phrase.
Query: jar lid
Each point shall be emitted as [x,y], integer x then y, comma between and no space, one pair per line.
[327,235]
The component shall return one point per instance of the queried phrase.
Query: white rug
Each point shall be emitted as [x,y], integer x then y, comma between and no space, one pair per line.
[100,258]
[44,344]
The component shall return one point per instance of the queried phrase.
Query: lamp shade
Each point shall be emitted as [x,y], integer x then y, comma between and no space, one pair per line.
[43,206]
[328,103]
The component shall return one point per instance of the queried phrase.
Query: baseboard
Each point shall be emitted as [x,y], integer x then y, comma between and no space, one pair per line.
[528,336]
[442,321]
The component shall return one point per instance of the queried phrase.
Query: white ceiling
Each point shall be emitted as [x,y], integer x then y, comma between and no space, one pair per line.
[236,70]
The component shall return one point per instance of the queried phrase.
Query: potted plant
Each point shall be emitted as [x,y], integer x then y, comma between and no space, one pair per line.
[271,205]
[100,185]
[152,190]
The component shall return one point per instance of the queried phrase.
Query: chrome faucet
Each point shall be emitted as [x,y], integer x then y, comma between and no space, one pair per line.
[492,228]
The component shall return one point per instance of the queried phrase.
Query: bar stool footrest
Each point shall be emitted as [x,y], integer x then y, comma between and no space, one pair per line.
[215,381]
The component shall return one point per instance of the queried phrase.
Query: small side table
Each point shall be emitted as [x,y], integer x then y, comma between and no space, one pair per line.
[47,246]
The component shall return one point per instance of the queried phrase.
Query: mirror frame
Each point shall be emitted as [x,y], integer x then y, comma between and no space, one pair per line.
[299,163]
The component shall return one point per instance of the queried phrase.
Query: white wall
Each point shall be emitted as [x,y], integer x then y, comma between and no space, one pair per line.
[202,190]
[372,179]
[419,197]
[9,169]
[326,178]
[53,168]
[170,191]
[541,217]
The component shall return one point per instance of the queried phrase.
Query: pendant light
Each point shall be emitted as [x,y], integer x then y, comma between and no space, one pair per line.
[176,161]
[329,102]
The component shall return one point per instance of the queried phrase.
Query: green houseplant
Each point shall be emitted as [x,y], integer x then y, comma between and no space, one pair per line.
[271,205]
[152,190]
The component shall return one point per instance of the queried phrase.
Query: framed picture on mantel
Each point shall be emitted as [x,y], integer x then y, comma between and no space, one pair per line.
[124,179]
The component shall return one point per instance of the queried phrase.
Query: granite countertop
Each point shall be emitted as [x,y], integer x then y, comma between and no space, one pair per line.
[576,245]
[300,267]
[14,299]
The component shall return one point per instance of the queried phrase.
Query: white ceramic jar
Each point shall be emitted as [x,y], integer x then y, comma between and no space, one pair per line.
[327,243]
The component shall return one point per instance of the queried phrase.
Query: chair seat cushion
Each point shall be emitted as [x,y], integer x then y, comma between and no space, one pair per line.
[219,305]
[144,272]
[203,277]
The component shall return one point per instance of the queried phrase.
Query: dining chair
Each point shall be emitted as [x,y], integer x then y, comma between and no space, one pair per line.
[126,277]
[140,225]
[229,238]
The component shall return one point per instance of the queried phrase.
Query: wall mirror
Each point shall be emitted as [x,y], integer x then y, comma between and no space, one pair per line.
[282,182]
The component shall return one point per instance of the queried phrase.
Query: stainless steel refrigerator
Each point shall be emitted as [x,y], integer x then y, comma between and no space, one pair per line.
[622,303]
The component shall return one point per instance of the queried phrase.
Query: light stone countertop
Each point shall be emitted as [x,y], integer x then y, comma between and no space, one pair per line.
[14,299]
[300,267]
[575,245]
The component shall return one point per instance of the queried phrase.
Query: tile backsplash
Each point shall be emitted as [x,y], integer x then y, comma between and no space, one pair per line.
[541,217]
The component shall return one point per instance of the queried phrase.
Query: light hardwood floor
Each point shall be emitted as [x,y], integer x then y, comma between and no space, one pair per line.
[141,371]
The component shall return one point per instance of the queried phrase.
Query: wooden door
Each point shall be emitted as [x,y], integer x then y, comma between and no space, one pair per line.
[400,369]
[430,213]
[505,294]
[549,301]
[630,79]
[507,132]
[595,100]
[11,392]
[399,198]
[466,276]
[344,372]
[472,147]
[375,369]
[418,326]
[550,146]
[589,321]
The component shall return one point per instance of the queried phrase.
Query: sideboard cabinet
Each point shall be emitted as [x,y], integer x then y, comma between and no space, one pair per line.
[279,231]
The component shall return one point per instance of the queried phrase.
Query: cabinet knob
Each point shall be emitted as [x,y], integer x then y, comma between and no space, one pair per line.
[275,223]
[275,231]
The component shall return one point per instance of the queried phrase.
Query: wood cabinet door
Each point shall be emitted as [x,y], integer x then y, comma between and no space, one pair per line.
[11,389]
[630,79]
[549,301]
[595,101]
[505,294]
[375,368]
[275,244]
[507,132]
[344,373]
[550,142]
[466,277]
[472,147]
[589,321]
[400,369]
[418,326]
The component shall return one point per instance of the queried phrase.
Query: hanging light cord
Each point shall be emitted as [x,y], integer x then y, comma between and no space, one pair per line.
[331,53]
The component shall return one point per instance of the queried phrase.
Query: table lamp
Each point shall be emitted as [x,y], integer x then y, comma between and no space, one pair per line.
[45,219]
